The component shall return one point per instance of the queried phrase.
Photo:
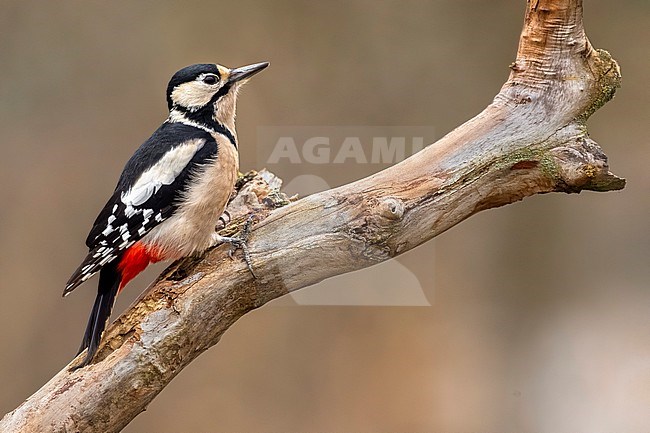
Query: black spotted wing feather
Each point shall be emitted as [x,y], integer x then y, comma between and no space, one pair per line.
[118,225]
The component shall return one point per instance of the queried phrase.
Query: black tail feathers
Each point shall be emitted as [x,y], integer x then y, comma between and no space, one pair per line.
[109,283]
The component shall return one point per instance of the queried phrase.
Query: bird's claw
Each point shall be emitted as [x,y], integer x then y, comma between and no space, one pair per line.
[239,242]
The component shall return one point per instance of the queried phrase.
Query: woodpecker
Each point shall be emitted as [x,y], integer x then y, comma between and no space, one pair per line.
[171,192]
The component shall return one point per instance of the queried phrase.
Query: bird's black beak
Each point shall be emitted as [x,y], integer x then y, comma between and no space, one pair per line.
[244,72]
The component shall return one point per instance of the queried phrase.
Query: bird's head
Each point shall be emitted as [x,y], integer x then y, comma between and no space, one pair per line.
[208,92]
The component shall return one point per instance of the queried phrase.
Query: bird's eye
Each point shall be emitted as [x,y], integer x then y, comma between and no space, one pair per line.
[210,79]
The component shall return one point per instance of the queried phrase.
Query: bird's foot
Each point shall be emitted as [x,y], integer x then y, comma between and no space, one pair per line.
[239,242]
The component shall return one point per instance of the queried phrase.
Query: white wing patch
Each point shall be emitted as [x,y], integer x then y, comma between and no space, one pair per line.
[164,172]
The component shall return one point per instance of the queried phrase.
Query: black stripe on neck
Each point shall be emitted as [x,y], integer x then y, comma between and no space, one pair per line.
[205,117]
[221,129]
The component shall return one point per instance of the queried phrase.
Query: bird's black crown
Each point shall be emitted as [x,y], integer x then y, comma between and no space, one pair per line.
[187,74]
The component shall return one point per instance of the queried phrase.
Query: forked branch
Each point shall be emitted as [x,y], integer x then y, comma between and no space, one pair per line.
[532,139]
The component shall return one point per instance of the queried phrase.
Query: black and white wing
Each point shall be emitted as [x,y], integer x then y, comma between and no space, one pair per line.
[147,193]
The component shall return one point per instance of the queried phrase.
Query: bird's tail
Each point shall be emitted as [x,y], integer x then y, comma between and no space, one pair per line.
[109,284]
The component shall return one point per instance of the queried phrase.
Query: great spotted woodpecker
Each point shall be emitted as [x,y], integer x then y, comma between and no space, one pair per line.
[171,192]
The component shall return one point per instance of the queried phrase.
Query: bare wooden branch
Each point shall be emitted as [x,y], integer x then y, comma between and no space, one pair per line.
[532,139]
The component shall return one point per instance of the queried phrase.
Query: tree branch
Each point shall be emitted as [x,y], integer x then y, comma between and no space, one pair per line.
[532,139]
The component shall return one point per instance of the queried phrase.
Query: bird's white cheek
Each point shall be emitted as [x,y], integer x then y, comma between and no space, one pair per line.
[192,94]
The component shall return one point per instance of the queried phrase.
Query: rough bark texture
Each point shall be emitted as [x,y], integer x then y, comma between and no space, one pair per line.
[532,139]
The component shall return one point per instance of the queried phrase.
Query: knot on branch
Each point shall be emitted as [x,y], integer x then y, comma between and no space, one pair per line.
[378,221]
[255,192]
[582,165]
[391,208]
[606,78]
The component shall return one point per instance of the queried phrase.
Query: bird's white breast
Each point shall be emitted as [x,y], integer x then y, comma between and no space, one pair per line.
[189,230]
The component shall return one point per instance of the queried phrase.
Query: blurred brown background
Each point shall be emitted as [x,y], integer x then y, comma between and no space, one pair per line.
[540,311]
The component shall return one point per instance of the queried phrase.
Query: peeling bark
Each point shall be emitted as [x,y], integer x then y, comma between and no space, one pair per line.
[532,139]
